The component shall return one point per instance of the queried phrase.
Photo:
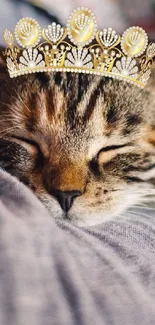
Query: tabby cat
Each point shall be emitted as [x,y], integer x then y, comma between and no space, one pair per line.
[83,144]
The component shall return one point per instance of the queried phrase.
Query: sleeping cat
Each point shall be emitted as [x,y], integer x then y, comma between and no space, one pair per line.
[84,144]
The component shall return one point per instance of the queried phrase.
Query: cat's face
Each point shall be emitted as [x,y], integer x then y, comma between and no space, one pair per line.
[81,143]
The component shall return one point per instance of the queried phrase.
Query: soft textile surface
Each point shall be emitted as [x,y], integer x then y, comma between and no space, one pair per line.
[57,274]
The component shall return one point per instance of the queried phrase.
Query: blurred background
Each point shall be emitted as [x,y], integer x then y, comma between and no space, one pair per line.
[118,14]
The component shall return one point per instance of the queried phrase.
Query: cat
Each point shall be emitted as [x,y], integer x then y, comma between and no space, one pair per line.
[83,144]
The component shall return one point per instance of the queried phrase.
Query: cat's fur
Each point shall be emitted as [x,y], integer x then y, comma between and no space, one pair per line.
[64,131]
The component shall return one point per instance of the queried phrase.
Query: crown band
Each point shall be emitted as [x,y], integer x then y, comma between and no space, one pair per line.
[79,48]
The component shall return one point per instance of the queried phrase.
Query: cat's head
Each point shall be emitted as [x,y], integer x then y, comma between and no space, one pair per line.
[83,144]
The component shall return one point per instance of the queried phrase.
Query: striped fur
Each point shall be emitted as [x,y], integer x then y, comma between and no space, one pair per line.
[76,132]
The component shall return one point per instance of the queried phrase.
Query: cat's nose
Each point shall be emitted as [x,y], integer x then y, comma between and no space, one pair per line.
[66,198]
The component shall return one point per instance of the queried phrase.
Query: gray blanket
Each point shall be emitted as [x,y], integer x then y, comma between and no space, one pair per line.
[58,274]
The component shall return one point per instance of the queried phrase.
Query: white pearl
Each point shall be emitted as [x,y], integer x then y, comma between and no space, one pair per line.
[78,63]
[125,72]
[31,64]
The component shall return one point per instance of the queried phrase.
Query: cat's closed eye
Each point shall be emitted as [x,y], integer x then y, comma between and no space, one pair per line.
[109,152]
[31,146]
[106,154]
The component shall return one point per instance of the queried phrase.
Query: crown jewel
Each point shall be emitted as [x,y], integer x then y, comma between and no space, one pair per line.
[79,48]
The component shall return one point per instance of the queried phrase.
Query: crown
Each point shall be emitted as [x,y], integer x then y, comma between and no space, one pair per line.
[79,48]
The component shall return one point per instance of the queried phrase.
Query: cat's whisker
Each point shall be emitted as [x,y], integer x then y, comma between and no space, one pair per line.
[136,213]
[4,133]
[6,118]
[148,192]
[143,204]
[118,190]
[17,113]
[18,98]
[143,189]
[134,190]
[5,121]
[148,198]
[138,207]
[23,103]
[140,215]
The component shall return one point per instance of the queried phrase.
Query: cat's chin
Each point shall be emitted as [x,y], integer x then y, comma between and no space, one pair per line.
[77,215]
[83,221]
[89,220]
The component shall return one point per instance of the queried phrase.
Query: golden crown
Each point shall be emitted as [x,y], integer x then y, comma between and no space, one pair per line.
[79,48]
